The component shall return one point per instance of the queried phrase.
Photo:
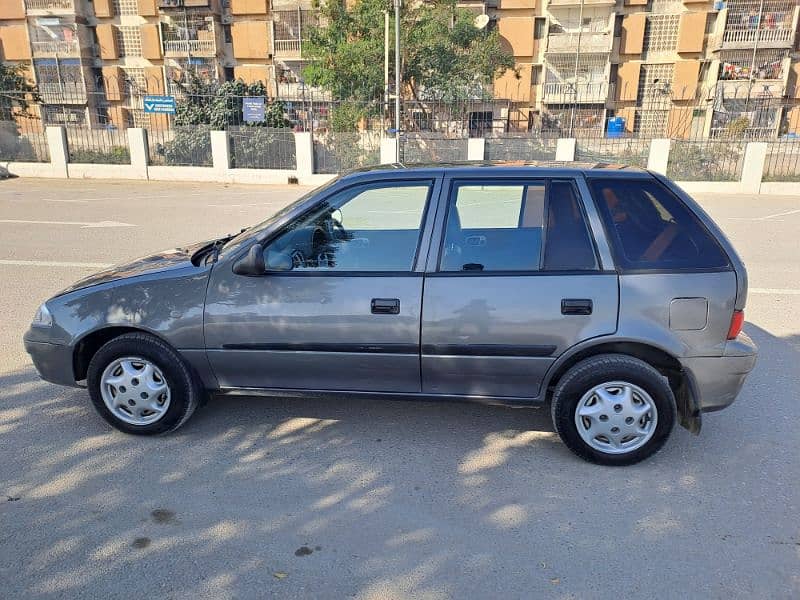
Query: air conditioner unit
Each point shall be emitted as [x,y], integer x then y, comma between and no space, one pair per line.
[97,62]
[228,62]
[227,19]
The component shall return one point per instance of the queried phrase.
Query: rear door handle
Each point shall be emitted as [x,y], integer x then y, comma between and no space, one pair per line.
[576,306]
[385,306]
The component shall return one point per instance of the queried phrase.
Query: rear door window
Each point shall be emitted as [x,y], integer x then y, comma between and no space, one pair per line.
[650,228]
[516,226]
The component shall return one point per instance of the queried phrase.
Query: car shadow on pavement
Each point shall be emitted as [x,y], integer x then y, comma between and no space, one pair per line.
[374,498]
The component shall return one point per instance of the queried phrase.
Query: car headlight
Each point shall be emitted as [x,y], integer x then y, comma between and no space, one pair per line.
[43,318]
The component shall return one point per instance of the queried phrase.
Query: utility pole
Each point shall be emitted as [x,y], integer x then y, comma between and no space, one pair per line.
[385,64]
[397,77]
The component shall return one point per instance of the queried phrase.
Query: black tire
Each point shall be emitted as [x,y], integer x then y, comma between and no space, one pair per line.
[603,368]
[185,390]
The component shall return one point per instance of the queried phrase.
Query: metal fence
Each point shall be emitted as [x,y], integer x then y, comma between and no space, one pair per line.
[108,145]
[783,161]
[261,148]
[23,140]
[432,147]
[337,152]
[519,147]
[625,151]
[180,146]
[706,160]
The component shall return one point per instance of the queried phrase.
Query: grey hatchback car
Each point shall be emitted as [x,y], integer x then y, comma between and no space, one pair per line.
[604,291]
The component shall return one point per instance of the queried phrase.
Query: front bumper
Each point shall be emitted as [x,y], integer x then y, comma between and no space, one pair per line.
[715,381]
[52,361]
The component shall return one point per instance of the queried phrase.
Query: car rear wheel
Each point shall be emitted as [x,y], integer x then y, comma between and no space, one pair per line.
[140,385]
[613,409]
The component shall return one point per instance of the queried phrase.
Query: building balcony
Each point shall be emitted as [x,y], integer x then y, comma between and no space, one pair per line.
[745,39]
[568,93]
[758,88]
[41,7]
[570,3]
[62,93]
[585,42]
[288,49]
[182,48]
[56,48]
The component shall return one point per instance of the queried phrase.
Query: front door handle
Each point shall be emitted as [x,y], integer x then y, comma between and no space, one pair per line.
[385,306]
[576,306]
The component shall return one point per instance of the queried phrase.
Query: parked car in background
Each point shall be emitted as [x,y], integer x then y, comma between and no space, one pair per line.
[604,291]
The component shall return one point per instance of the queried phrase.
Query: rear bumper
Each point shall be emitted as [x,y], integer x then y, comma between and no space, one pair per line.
[715,381]
[52,361]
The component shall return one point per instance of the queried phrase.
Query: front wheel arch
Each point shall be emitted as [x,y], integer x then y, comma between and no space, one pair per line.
[88,345]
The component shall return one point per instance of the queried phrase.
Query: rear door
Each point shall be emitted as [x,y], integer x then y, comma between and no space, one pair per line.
[512,281]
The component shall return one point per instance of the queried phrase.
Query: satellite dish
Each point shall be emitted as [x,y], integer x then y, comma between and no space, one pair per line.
[481,21]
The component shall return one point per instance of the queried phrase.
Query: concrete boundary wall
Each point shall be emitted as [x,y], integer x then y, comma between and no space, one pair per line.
[751,181]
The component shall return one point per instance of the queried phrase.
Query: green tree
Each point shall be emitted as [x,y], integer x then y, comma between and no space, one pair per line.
[16,91]
[220,104]
[16,96]
[444,56]
[207,106]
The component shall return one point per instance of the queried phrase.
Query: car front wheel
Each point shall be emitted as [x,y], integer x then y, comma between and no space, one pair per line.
[141,385]
[613,409]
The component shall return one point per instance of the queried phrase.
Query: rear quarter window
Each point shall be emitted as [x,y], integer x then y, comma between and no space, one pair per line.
[650,228]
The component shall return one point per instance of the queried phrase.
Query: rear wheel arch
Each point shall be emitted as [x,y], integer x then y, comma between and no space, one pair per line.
[667,364]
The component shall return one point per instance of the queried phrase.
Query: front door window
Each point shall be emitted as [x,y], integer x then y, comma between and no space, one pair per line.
[365,228]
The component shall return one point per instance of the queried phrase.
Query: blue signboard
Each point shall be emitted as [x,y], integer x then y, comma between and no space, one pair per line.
[162,105]
[253,110]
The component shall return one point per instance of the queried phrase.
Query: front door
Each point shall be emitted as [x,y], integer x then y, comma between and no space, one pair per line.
[515,283]
[346,315]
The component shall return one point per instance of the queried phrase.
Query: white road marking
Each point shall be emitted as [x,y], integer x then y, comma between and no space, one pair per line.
[81,224]
[66,200]
[775,291]
[50,263]
[783,214]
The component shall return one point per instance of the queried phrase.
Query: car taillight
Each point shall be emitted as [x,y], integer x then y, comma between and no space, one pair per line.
[737,320]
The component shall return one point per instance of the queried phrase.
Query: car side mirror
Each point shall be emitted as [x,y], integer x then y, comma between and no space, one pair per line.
[253,264]
[278,261]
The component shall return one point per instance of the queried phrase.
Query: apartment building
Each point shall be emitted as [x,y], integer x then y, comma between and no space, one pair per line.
[665,67]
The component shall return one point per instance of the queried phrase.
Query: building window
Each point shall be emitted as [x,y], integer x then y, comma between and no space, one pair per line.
[64,115]
[129,41]
[126,7]
[650,123]
[226,31]
[661,34]
[655,81]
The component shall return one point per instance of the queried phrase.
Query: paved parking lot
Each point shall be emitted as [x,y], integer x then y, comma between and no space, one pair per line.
[259,497]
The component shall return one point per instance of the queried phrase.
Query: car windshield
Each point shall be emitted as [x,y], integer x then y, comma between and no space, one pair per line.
[256,230]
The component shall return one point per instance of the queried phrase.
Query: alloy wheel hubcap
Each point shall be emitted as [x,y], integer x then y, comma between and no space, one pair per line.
[135,390]
[616,417]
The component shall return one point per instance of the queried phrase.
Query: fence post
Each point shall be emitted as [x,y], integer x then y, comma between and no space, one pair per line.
[220,151]
[137,145]
[476,148]
[565,149]
[388,151]
[659,156]
[304,154]
[59,155]
[755,158]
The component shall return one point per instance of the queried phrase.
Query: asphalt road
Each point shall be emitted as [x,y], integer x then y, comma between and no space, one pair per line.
[370,498]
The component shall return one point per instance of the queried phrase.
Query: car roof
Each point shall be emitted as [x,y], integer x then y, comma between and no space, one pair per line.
[506,168]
